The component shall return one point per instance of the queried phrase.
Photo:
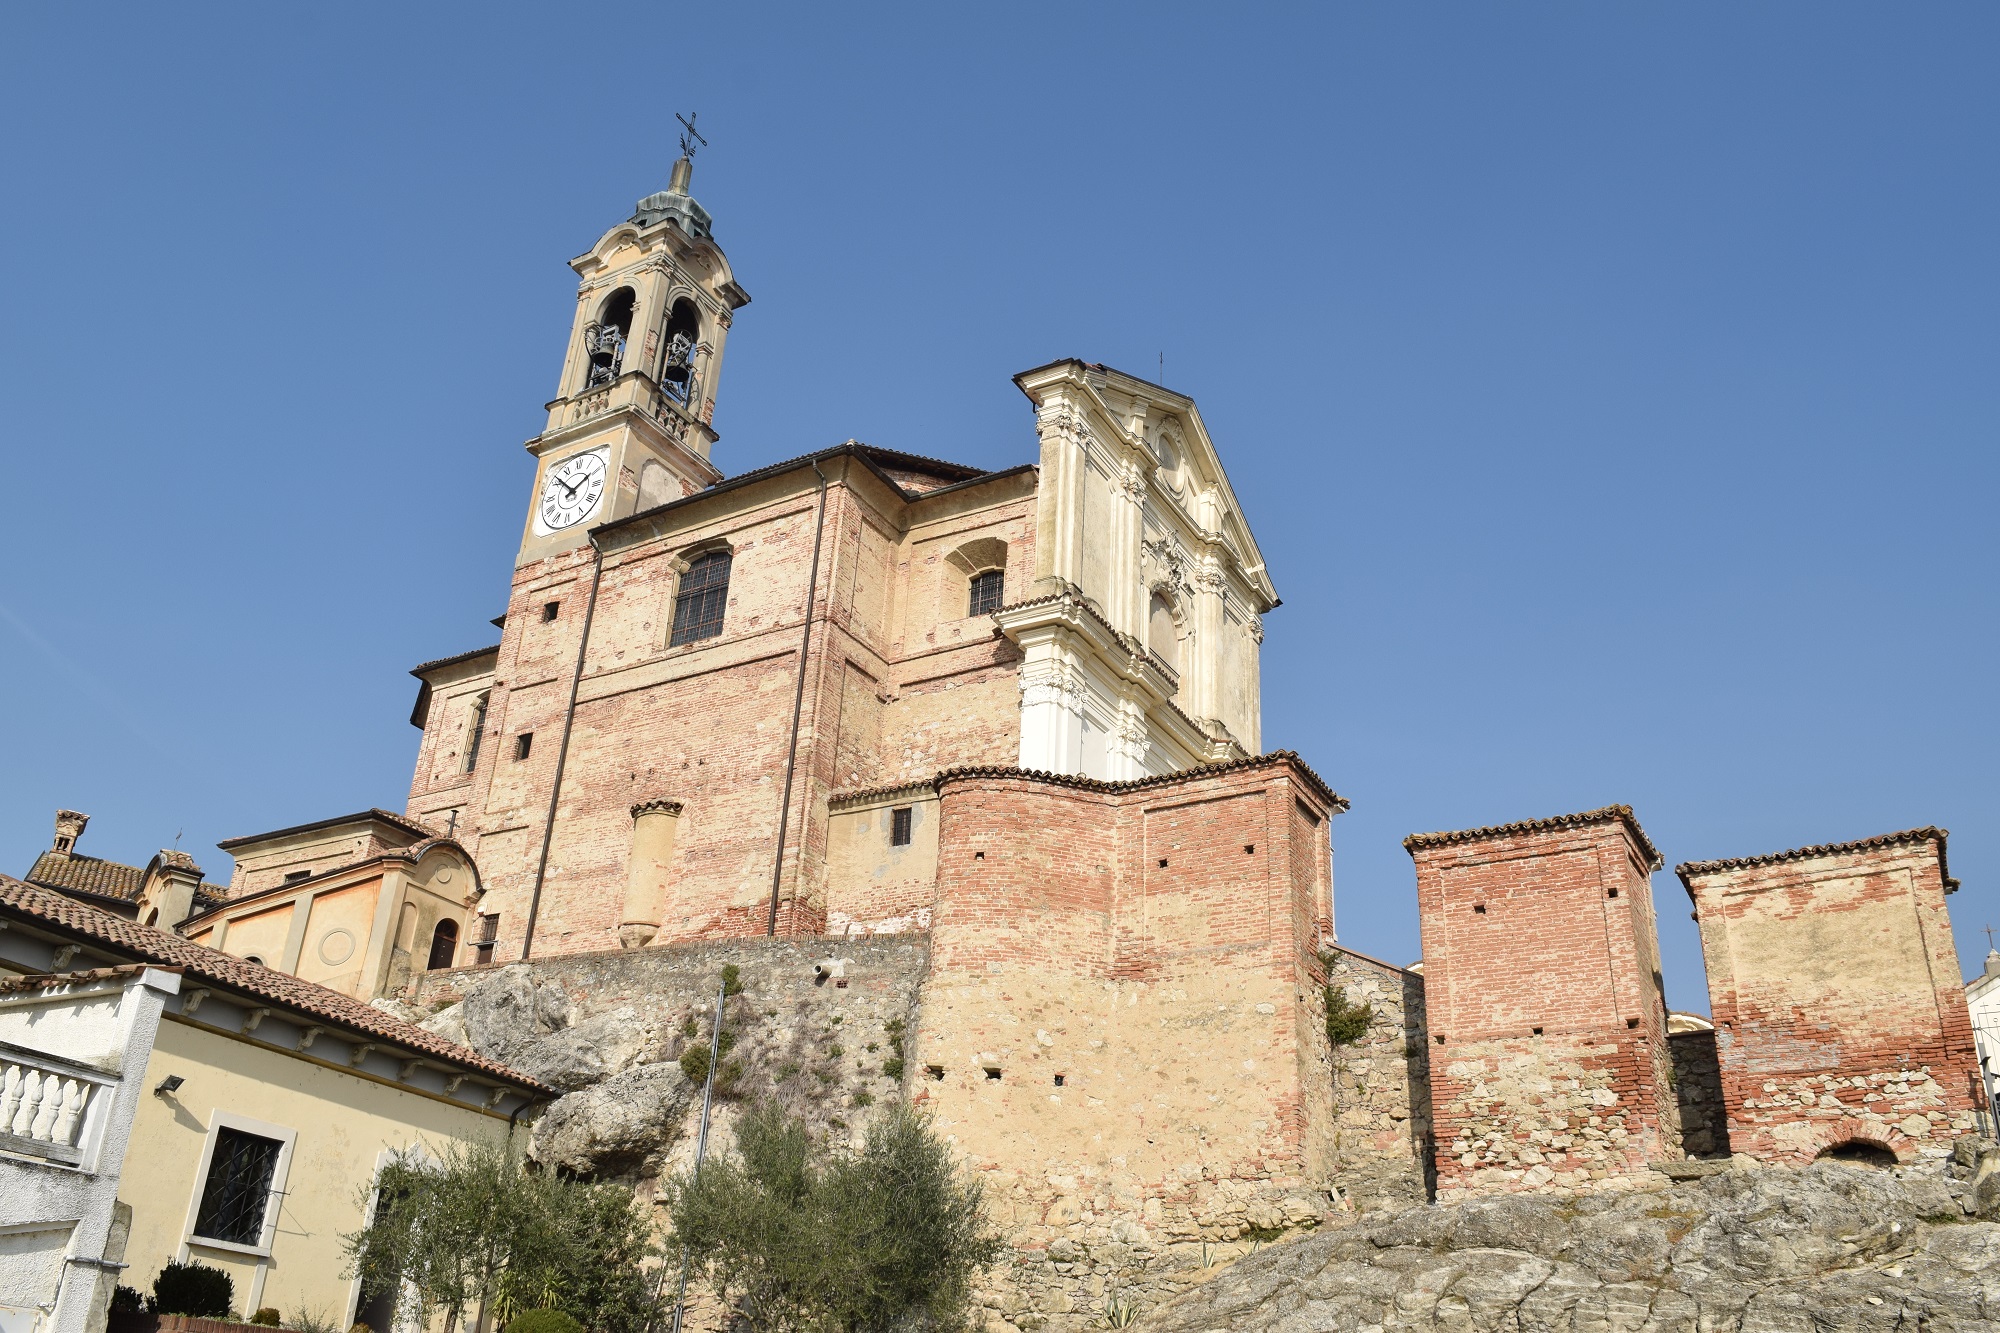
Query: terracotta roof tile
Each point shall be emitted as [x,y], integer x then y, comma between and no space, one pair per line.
[420,668]
[87,874]
[48,908]
[1929,833]
[34,981]
[1602,815]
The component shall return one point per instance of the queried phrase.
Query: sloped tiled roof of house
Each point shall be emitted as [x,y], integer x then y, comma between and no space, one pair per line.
[48,908]
[87,874]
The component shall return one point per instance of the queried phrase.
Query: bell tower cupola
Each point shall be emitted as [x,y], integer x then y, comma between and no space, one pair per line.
[631,425]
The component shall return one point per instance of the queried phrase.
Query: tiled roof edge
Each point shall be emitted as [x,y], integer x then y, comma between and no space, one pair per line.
[876,793]
[1601,815]
[420,668]
[240,975]
[1288,757]
[1928,833]
[403,822]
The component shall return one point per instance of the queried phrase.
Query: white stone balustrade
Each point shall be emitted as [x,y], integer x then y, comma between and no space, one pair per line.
[45,1104]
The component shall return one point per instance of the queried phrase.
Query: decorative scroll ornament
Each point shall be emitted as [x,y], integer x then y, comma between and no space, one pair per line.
[1056,683]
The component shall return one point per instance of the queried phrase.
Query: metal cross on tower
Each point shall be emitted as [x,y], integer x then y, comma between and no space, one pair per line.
[1989,938]
[690,136]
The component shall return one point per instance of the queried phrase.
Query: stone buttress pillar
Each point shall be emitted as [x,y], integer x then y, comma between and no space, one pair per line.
[654,824]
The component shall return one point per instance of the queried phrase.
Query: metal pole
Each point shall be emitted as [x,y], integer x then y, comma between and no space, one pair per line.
[701,1141]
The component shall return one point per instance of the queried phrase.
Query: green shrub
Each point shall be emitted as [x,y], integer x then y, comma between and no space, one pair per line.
[266,1315]
[864,1098]
[127,1300]
[193,1289]
[732,984]
[543,1321]
[836,1050]
[1346,1021]
[694,1063]
[798,1235]
[893,1068]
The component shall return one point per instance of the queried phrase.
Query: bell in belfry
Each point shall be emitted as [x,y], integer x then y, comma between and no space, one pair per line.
[605,344]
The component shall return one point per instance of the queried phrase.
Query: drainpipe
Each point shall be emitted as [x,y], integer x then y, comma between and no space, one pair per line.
[562,748]
[798,710]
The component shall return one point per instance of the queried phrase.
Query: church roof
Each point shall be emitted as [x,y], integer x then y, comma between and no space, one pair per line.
[373,814]
[423,667]
[911,474]
[1929,833]
[198,962]
[1602,815]
[1291,757]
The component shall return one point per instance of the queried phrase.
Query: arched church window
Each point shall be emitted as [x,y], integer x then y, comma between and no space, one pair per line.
[1162,635]
[677,368]
[444,944]
[704,592]
[604,338]
[988,589]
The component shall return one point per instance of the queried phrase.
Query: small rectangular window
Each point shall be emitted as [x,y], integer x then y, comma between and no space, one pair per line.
[550,610]
[987,591]
[237,1194]
[523,743]
[899,826]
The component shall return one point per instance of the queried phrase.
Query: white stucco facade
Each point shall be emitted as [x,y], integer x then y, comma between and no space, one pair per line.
[1982,997]
[73,1055]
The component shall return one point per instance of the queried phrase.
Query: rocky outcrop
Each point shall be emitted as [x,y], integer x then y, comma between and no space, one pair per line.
[1743,1250]
[608,1030]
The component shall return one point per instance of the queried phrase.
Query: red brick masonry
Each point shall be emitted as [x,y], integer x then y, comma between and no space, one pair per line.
[1839,1011]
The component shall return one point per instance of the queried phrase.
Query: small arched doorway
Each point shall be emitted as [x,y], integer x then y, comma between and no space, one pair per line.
[444,945]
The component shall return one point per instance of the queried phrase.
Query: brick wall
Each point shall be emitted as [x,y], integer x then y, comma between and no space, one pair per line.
[1839,1010]
[1153,946]
[898,683]
[1549,1063]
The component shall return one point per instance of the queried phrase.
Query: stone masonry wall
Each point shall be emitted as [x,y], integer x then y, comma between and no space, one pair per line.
[1381,1086]
[1698,1085]
[1837,999]
[1122,1029]
[1548,1040]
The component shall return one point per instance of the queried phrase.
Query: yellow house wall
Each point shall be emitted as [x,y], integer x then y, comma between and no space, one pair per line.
[344,1123]
[351,910]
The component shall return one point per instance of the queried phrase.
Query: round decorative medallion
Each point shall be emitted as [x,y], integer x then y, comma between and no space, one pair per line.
[444,876]
[336,947]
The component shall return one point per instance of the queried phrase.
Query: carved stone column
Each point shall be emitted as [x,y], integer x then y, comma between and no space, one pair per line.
[654,824]
[1202,684]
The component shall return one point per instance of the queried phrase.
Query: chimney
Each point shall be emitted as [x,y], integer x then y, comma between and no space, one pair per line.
[69,827]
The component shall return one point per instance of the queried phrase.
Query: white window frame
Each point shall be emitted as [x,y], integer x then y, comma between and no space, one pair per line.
[287,1139]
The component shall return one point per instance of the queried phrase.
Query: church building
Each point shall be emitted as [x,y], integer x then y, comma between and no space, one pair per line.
[696,673]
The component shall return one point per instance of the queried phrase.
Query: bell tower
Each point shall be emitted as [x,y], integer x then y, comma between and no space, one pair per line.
[629,427]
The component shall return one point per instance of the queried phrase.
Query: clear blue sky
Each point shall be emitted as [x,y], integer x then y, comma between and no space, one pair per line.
[1611,387]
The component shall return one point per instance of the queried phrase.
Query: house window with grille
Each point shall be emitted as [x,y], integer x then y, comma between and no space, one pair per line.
[703,594]
[987,589]
[899,827]
[489,935]
[237,1194]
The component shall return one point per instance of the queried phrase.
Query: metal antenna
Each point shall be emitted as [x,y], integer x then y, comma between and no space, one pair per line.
[690,136]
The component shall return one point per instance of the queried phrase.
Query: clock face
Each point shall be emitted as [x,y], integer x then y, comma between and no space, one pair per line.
[571,491]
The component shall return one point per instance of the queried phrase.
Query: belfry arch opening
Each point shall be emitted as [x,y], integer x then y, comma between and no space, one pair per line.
[677,355]
[604,337]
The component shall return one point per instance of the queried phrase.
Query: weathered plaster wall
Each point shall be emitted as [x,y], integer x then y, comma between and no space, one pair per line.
[1836,994]
[1548,1039]
[1122,1027]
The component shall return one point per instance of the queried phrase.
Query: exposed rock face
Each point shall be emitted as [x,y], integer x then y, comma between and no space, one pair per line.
[608,1029]
[624,1126]
[1749,1250]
